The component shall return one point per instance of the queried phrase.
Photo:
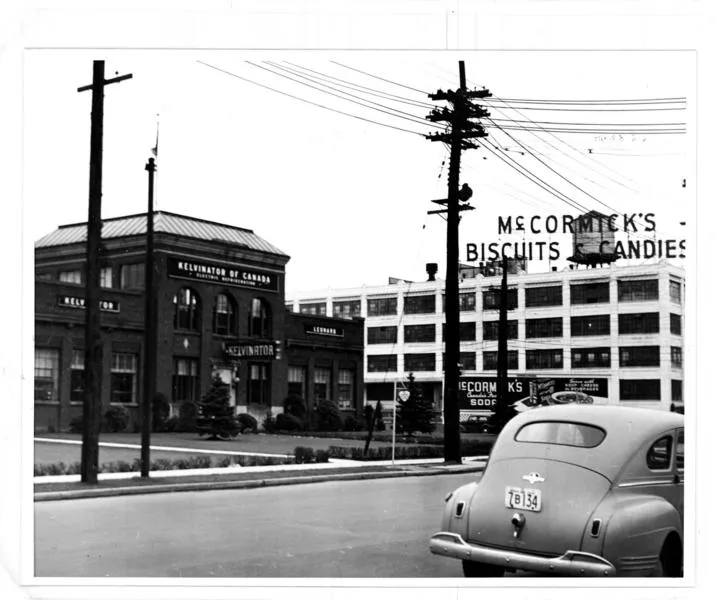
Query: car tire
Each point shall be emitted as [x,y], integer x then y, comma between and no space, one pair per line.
[477,569]
[670,563]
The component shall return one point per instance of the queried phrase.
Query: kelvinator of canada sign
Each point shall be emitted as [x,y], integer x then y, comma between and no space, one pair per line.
[224,274]
[480,393]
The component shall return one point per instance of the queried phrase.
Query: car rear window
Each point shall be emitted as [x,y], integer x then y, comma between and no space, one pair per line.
[563,433]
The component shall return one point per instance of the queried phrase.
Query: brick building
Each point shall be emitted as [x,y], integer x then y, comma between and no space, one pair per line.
[220,309]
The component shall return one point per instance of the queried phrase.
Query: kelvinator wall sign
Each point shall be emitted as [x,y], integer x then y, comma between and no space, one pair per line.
[480,393]
[79,302]
[253,350]
[197,270]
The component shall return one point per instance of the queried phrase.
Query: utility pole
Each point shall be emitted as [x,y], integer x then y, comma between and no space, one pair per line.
[460,130]
[93,341]
[150,329]
[501,407]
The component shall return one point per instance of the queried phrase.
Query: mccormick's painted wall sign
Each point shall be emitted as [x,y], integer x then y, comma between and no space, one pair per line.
[79,302]
[479,393]
[323,330]
[225,274]
[250,350]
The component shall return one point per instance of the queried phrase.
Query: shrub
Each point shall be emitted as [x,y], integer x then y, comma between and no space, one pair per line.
[171,424]
[328,416]
[162,464]
[247,423]
[123,466]
[350,424]
[160,412]
[380,425]
[294,405]
[322,456]
[225,461]
[269,423]
[187,415]
[287,422]
[77,425]
[215,415]
[303,455]
[116,419]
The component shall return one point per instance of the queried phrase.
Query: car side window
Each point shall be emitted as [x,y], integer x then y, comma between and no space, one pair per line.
[680,450]
[659,456]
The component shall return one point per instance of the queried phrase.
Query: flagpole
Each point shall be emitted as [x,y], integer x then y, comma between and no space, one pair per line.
[155,152]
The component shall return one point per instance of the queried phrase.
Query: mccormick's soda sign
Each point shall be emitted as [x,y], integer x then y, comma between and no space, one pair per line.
[480,393]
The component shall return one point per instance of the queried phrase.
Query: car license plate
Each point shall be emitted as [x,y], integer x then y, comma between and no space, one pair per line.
[523,498]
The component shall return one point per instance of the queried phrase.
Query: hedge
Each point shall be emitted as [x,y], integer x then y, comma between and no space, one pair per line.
[468,448]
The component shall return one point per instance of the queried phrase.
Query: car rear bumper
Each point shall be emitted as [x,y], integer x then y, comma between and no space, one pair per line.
[572,563]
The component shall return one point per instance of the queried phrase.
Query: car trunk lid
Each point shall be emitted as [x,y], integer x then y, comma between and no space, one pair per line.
[565,495]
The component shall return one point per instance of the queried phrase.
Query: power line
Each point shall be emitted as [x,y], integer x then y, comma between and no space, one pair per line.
[307,101]
[408,87]
[626,101]
[593,110]
[369,90]
[596,131]
[594,124]
[413,117]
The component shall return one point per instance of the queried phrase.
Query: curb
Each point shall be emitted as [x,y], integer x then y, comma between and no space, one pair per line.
[247,484]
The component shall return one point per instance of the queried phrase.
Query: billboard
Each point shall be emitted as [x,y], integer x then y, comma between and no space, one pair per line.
[480,393]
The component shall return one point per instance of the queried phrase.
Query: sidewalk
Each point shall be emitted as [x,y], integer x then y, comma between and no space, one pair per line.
[66,487]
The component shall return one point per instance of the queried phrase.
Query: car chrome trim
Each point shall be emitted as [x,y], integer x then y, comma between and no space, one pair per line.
[646,483]
[572,562]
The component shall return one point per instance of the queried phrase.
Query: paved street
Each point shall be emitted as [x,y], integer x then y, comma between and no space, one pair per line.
[376,528]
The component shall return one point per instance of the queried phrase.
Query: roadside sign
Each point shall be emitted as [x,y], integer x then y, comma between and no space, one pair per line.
[404,395]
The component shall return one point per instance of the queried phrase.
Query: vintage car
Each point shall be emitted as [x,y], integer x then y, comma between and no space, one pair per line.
[574,490]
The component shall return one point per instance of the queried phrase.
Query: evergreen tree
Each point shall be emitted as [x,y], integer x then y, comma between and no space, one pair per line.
[378,417]
[416,413]
[215,416]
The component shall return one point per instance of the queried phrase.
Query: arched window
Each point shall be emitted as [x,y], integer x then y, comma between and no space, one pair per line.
[186,310]
[224,315]
[259,319]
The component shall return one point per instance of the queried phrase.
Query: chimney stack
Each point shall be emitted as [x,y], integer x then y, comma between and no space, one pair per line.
[431,269]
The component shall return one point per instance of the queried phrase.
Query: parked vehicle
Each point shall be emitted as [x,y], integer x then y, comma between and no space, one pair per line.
[574,490]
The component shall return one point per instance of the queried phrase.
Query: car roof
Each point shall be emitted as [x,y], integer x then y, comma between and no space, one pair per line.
[627,429]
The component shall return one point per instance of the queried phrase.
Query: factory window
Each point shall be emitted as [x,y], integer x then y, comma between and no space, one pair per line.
[490,360]
[382,335]
[297,381]
[185,381]
[419,333]
[639,323]
[639,356]
[590,325]
[588,358]
[677,390]
[313,308]
[186,310]
[466,332]
[639,389]
[491,299]
[676,291]
[77,375]
[322,384]
[466,301]
[675,324]
[224,322]
[419,305]
[123,378]
[544,296]
[676,356]
[132,277]
[47,374]
[490,330]
[347,389]
[259,384]
[590,293]
[467,361]
[542,328]
[346,309]
[74,276]
[106,277]
[637,291]
[259,319]
[378,307]
[419,362]
[544,359]
[382,363]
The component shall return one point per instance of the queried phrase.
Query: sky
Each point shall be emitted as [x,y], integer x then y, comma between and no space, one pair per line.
[346,195]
